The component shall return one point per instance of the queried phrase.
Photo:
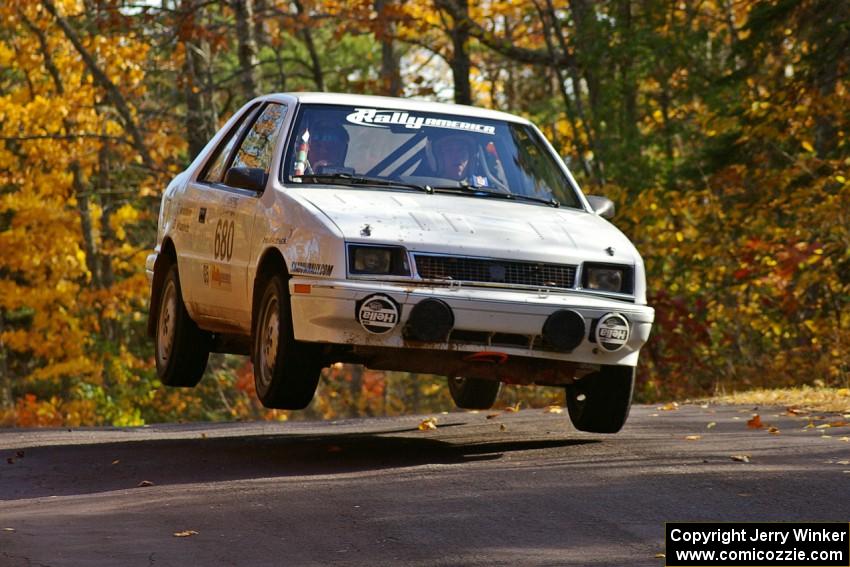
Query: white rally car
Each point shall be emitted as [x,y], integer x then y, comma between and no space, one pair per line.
[403,235]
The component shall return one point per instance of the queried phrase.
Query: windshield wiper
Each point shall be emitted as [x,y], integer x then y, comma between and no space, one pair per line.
[479,191]
[349,179]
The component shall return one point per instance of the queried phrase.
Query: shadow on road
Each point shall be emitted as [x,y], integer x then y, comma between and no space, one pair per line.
[86,469]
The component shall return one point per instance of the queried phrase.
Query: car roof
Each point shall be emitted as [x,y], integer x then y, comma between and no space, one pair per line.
[395,104]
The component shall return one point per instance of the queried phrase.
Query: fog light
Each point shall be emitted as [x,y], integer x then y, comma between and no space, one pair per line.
[429,321]
[564,330]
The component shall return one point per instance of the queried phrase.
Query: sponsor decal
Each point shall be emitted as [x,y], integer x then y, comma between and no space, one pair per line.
[274,240]
[207,275]
[202,215]
[385,118]
[184,212]
[311,268]
[182,227]
[378,314]
[220,278]
[612,332]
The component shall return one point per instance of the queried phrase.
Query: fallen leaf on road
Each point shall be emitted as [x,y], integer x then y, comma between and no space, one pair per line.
[671,406]
[20,454]
[514,408]
[833,424]
[492,415]
[843,392]
[741,458]
[773,430]
[10,460]
[185,533]
[553,409]
[711,425]
[823,426]
[427,424]
[116,461]
[845,439]
[843,462]
[660,556]
[693,437]
[9,529]
[791,410]
[503,427]
[755,422]
[826,436]
[145,483]
[704,406]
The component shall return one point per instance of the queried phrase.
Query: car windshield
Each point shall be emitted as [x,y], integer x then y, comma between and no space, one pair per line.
[436,152]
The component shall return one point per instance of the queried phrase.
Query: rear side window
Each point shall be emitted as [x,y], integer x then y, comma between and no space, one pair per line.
[214,171]
[256,149]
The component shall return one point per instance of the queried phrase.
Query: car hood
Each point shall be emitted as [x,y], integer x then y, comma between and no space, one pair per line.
[471,226]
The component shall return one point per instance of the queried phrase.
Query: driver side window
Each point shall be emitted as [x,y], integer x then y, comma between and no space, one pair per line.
[216,167]
[256,149]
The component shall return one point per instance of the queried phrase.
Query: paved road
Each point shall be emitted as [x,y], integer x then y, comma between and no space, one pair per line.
[518,489]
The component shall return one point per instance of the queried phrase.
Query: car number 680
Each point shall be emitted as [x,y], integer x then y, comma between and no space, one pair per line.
[224,231]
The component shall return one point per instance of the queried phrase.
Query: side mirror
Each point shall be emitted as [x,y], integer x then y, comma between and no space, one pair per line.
[252,178]
[602,206]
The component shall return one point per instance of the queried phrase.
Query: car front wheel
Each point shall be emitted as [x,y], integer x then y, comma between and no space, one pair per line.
[286,372]
[474,393]
[182,349]
[600,402]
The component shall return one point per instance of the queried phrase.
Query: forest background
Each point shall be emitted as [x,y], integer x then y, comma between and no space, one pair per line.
[719,127]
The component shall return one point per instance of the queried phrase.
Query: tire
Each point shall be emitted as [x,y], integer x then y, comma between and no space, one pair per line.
[286,372]
[474,393]
[181,348]
[600,402]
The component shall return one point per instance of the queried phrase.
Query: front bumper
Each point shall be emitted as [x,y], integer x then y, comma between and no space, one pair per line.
[494,320]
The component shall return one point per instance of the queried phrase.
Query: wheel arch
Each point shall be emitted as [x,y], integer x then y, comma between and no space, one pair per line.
[271,262]
[164,260]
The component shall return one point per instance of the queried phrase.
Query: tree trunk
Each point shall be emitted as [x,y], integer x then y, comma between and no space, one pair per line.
[198,130]
[315,62]
[582,18]
[77,182]
[390,60]
[628,117]
[5,378]
[113,94]
[545,19]
[460,63]
[247,46]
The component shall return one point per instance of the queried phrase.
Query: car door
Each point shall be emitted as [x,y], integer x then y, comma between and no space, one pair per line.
[225,223]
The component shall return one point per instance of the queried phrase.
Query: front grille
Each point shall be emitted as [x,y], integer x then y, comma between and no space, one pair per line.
[509,272]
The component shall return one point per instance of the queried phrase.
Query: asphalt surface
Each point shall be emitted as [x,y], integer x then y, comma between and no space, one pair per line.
[516,489]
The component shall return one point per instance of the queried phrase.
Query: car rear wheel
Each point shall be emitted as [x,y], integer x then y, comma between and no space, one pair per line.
[474,393]
[600,402]
[286,372]
[182,349]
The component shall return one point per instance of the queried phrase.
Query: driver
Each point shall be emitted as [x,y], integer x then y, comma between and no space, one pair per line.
[328,146]
[452,155]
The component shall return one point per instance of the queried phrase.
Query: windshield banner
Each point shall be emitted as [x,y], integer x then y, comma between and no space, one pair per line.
[384,118]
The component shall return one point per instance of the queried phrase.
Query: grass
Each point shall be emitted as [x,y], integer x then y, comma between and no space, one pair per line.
[805,397]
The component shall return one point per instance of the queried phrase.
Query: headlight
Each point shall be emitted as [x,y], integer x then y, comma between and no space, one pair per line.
[378,260]
[617,279]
